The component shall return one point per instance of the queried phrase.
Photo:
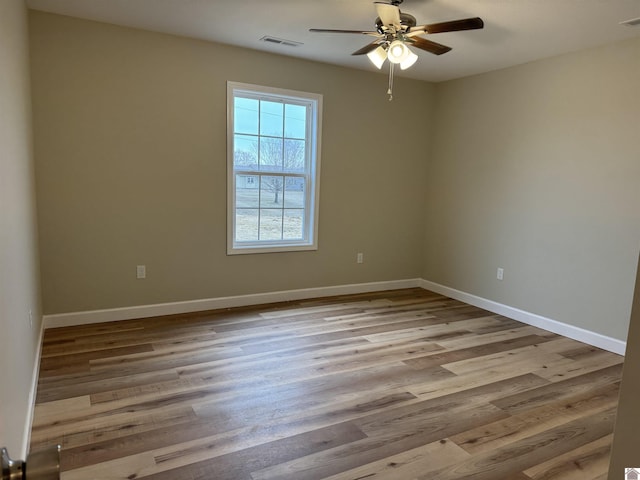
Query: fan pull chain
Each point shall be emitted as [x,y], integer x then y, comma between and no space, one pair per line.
[390,91]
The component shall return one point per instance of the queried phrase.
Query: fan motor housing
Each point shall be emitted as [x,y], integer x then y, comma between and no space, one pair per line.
[406,20]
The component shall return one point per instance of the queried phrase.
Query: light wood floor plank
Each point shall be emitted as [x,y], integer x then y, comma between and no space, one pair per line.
[407,464]
[588,462]
[522,454]
[536,420]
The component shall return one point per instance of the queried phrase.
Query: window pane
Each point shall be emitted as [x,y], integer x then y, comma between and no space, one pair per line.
[270,154]
[293,222]
[295,123]
[271,118]
[245,115]
[271,191]
[270,224]
[294,153]
[247,191]
[245,151]
[246,224]
[294,192]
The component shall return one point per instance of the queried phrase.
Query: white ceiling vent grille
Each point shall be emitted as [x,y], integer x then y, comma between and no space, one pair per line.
[280,41]
[634,22]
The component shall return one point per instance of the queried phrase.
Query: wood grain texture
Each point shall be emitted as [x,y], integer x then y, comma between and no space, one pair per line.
[404,384]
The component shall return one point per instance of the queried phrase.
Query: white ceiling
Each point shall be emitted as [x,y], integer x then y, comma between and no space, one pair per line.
[516,31]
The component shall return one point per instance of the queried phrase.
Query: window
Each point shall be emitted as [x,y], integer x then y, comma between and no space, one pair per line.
[273,152]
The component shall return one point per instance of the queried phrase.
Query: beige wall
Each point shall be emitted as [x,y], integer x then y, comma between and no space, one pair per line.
[19,283]
[625,438]
[130,132]
[536,169]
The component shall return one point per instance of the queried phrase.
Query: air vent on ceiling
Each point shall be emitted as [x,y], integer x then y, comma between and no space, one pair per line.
[280,41]
[634,22]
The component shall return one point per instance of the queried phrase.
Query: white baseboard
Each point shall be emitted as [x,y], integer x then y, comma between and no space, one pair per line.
[596,339]
[32,396]
[144,311]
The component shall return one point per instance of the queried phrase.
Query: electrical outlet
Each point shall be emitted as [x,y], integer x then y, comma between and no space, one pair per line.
[141,271]
[360,258]
[500,273]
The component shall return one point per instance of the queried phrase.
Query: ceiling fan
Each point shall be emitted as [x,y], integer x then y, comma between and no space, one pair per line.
[395,31]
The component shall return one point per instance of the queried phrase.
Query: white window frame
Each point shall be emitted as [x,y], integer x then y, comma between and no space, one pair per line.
[311,175]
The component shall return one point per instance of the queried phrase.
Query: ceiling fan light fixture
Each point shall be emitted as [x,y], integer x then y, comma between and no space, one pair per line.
[398,51]
[377,57]
[410,60]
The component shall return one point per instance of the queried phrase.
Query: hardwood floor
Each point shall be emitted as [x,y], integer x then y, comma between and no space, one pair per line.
[404,384]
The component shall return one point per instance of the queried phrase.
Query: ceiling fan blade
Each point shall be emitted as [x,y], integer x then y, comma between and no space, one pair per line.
[429,46]
[455,25]
[367,48]
[389,14]
[328,30]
